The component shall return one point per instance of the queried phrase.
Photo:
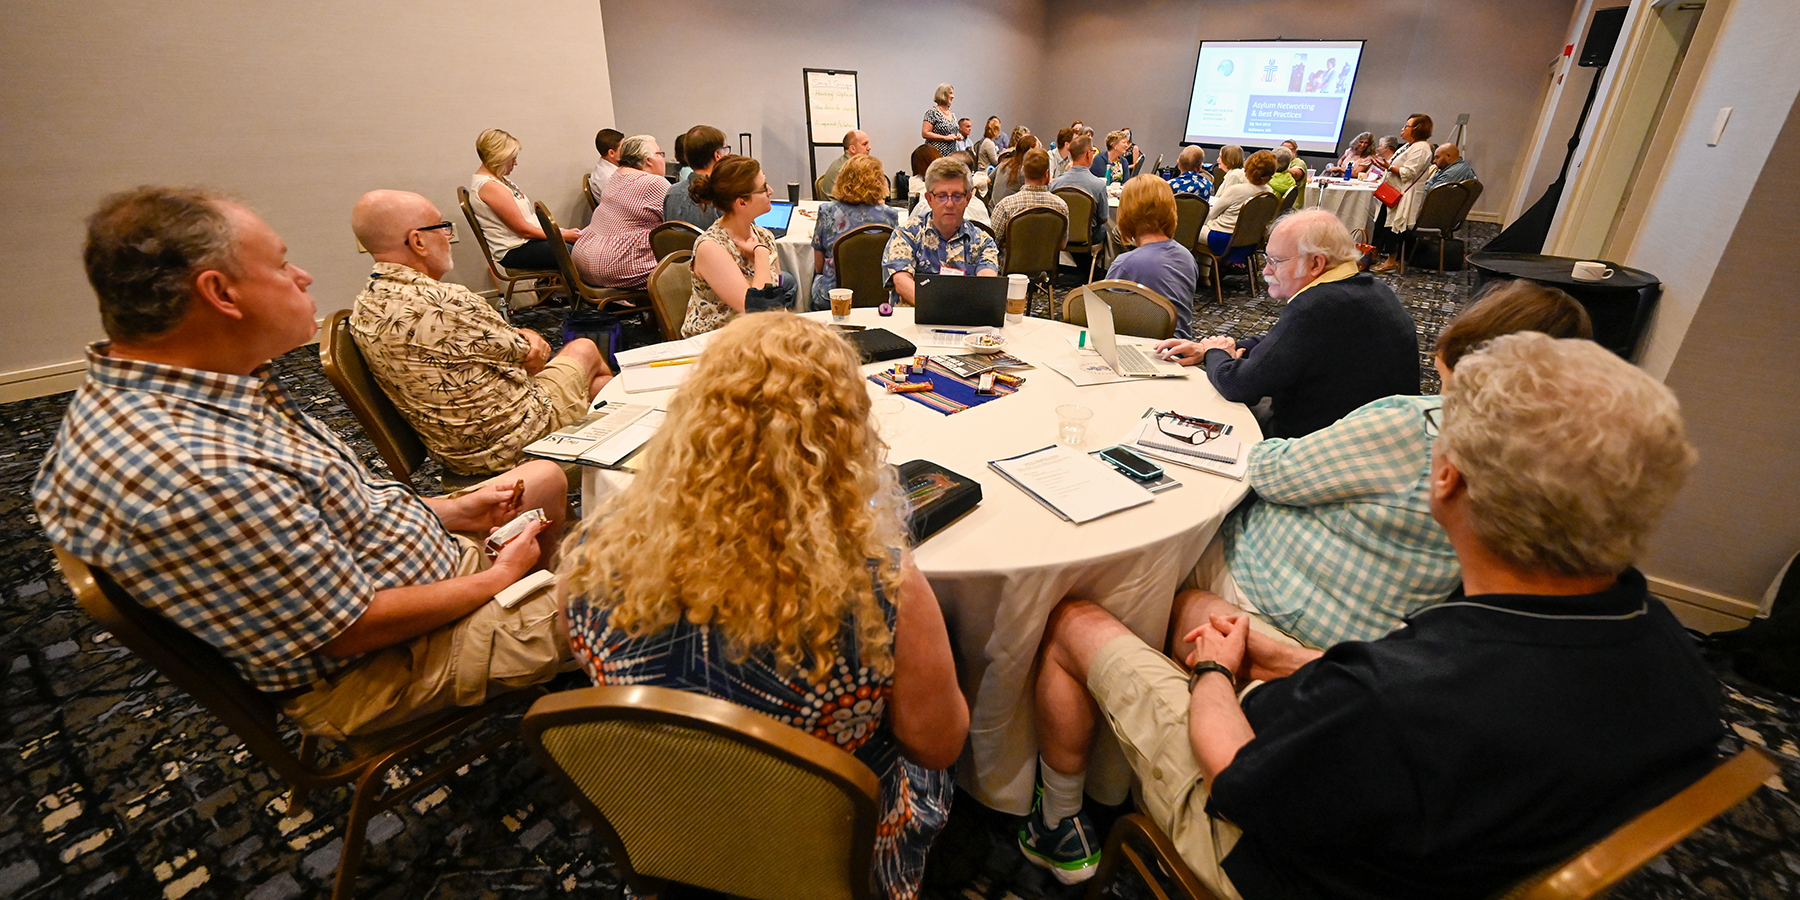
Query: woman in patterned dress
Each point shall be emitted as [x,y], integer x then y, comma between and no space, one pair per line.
[858,199]
[614,250]
[759,557]
[940,129]
[735,268]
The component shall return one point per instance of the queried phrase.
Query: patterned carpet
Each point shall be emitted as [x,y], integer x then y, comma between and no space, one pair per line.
[118,785]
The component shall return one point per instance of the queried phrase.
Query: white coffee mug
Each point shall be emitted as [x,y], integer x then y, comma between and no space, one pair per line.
[1591,271]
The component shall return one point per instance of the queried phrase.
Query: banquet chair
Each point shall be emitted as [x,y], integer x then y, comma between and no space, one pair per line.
[673,237]
[1081,224]
[1440,214]
[1190,214]
[628,300]
[987,228]
[1033,241]
[1289,199]
[1252,231]
[1591,873]
[819,191]
[856,257]
[587,192]
[687,789]
[393,437]
[922,158]
[670,287]
[1136,309]
[543,281]
[374,765]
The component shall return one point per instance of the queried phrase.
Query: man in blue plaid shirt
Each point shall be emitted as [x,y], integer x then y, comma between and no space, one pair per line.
[184,471]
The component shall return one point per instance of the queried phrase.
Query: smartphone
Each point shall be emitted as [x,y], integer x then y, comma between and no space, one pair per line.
[1131,464]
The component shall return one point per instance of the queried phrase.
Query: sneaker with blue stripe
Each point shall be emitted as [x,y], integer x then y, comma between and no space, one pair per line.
[1070,850]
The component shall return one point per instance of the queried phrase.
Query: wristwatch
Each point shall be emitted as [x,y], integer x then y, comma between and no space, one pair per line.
[1210,665]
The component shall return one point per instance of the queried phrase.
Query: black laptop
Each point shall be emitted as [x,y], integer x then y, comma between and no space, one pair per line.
[959,300]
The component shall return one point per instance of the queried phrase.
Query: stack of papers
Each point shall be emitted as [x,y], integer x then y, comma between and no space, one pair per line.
[659,367]
[605,437]
[1072,484]
[1223,455]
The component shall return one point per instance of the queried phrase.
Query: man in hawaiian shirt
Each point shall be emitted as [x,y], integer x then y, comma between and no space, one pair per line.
[943,243]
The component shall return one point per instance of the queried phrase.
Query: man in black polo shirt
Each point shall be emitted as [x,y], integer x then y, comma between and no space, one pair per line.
[1498,732]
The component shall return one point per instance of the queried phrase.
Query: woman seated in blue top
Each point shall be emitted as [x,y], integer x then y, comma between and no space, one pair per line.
[760,556]
[1340,544]
[1147,219]
[860,198]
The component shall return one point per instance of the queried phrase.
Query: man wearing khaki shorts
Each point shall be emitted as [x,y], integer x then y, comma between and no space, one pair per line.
[476,389]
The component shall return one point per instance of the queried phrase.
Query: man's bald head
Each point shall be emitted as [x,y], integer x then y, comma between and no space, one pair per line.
[389,223]
[1447,155]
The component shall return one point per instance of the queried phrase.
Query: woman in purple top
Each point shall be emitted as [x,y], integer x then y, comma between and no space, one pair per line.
[857,199]
[1147,219]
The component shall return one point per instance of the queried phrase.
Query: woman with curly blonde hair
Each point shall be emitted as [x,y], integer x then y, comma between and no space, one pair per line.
[759,556]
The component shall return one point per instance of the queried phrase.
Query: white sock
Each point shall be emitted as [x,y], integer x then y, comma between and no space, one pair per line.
[1062,793]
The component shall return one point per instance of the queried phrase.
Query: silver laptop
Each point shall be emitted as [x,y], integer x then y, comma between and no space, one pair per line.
[1123,359]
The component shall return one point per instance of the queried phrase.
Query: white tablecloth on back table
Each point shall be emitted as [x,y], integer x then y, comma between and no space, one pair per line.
[999,570]
[1352,202]
[795,250]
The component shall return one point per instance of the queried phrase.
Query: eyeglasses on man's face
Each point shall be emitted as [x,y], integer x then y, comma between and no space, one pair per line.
[950,196]
[447,227]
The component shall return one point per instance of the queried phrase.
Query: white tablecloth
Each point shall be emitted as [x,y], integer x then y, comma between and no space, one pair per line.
[1000,569]
[795,251]
[1352,202]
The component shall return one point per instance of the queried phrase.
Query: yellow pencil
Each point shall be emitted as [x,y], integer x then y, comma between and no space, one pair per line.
[674,362]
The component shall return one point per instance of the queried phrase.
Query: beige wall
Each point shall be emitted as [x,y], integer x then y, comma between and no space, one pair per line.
[1131,62]
[736,66]
[1729,322]
[296,109]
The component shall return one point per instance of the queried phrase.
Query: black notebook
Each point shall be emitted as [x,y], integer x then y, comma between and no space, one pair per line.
[880,344]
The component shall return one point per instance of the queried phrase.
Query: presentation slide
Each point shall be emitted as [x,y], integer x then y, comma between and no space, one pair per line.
[1260,93]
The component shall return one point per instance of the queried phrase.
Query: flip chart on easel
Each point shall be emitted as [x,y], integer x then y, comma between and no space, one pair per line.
[831,105]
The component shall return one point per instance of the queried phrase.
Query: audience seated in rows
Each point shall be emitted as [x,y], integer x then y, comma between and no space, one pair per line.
[735,266]
[943,241]
[1343,339]
[1009,176]
[1362,149]
[476,389]
[760,556]
[1147,220]
[614,251]
[1081,175]
[704,145]
[858,199]
[1406,173]
[185,472]
[1449,167]
[1239,186]
[1033,193]
[1541,705]
[1339,544]
[505,213]
[607,143]
[1189,178]
[856,143]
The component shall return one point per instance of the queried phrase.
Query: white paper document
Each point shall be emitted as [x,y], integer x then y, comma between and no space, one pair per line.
[627,440]
[593,432]
[1071,483]
[645,378]
[643,356]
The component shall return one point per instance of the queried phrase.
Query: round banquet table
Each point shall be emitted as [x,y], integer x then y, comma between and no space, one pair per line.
[1353,202]
[1000,569]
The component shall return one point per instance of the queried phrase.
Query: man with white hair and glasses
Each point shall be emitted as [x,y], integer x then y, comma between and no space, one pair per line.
[942,242]
[1534,710]
[1342,340]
